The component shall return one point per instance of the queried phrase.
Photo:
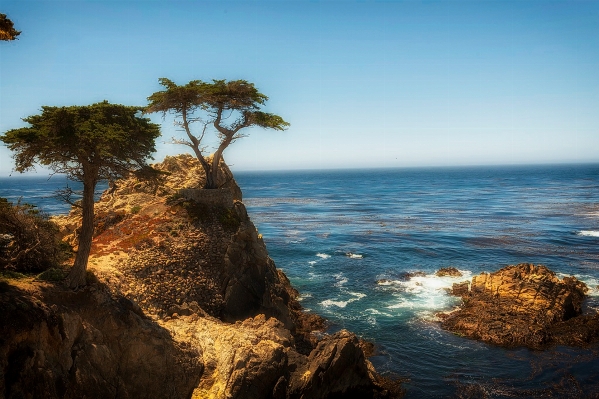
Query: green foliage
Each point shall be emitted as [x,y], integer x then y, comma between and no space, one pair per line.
[11,275]
[91,277]
[135,209]
[178,99]
[237,95]
[229,106]
[53,274]
[269,121]
[103,139]
[7,30]
[229,219]
[198,212]
[204,213]
[28,240]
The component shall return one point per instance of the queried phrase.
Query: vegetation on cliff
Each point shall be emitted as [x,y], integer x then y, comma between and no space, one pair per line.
[90,143]
[29,241]
[192,262]
[214,103]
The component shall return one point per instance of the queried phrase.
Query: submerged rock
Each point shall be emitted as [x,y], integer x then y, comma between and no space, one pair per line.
[448,271]
[523,305]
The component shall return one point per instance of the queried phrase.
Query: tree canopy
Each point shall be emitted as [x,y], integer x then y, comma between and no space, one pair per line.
[88,143]
[7,30]
[229,106]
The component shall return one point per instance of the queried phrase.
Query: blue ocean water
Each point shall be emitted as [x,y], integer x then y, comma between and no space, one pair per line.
[347,239]
[393,222]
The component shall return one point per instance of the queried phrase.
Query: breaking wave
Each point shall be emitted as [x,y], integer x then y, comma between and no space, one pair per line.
[588,233]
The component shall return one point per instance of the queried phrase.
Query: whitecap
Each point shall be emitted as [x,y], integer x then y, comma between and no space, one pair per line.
[402,304]
[341,304]
[588,233]
[304,296]
[341,279]
[385,281]
[323,256]
[358,295]
[314,276]
[428,292]
[340,282]
[353,255]
[377,312]
[312,262]
[329,302]
[591,282]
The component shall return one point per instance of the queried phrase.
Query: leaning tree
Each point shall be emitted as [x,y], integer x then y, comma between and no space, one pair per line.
[229,106]
[87,143]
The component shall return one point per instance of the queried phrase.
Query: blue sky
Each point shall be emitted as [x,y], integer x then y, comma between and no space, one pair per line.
[363,83]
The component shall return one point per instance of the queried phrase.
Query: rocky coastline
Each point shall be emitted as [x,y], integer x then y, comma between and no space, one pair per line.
[523,305]
[185,303]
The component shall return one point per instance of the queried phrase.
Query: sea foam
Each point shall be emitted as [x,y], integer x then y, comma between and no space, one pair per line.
[588,233]
[341,304]
[428,292]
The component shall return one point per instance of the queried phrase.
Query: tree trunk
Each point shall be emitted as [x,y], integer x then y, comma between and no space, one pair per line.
[77,275]
[213,179]
[210,180]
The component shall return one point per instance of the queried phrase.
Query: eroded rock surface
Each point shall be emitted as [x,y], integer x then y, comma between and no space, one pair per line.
[523,305]
[56,343]
[448,271]
[197,275]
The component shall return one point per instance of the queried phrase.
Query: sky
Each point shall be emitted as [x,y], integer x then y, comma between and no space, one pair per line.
[363,84]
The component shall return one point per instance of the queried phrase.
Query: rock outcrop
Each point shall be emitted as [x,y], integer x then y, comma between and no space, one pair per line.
[523,305]
[56,343]
[195,277]
[448,271]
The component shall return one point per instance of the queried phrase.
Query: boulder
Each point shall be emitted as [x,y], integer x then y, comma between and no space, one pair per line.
[523,305]
[337,367]
[448,271]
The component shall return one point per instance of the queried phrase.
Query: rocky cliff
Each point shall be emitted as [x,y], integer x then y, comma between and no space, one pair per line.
[523,305]
[186,273]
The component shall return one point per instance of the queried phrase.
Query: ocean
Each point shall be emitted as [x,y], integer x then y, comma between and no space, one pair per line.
[347,240]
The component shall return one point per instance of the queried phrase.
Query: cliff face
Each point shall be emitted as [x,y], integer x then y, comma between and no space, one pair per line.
[191,263]
[56,343]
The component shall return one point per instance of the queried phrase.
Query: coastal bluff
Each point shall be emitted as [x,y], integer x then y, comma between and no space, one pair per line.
[183,302]
[523,305]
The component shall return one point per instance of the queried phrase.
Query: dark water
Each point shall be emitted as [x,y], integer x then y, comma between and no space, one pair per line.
[407,220]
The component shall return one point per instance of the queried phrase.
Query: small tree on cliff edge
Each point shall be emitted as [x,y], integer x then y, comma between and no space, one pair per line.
[88,143]
[237,101]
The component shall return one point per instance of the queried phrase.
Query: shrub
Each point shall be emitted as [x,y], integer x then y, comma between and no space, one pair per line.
[53,274]
[135,209]
[29,242]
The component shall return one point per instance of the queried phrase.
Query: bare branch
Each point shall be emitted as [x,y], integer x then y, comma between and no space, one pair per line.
[180,141]
[203,132]
[65,195]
